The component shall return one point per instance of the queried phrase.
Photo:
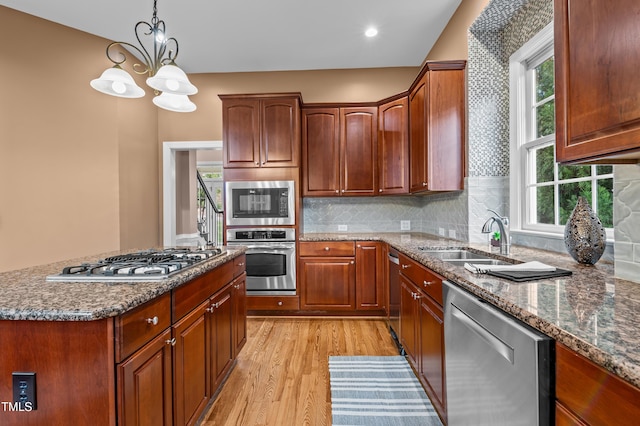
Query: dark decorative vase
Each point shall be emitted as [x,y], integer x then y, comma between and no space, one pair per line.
[584,234]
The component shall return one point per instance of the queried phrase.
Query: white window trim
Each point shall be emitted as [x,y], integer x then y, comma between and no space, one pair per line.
[518,120]
[518,93]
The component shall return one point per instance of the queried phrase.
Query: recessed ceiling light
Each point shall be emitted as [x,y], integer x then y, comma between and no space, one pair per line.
[371,32]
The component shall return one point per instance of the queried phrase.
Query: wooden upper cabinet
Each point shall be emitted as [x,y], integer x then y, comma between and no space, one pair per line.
[359,149]
[339,150]
[320,151]
[261,130]
[437,128]
[597,81]
[393,147]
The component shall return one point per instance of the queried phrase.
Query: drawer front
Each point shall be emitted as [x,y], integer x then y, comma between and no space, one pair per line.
[191,294]
[273,303]
[432,285]
[137,327]
[239,265]
[426,280]
[327,248]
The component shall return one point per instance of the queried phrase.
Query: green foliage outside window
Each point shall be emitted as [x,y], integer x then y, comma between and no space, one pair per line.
[545,174]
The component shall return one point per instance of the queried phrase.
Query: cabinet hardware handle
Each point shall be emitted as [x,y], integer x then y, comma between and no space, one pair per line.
[428,283]
[379,190]
[327,249]
[279,303]
[210,309]
[424,183]
[257,163]
[405,266]
[352,262]
[171,341]
[343,191]
[153,320]
[359,246]
[337,191]
[263,162]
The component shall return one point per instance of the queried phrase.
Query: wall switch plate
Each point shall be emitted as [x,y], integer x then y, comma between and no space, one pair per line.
[452,233]
[342,227]
[405,225]
[24,390]
[441,231]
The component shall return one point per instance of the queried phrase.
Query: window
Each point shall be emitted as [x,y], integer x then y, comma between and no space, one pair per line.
[543,192]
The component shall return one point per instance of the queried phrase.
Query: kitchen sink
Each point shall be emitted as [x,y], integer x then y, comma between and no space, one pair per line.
[461,256]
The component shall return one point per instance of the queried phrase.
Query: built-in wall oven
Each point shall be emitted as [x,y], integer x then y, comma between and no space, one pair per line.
[271,259]
[260,203]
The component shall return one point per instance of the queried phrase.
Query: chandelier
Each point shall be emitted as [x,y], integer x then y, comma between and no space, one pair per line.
[169,82]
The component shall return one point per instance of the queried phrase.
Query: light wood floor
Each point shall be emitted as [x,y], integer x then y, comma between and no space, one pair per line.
[282,374]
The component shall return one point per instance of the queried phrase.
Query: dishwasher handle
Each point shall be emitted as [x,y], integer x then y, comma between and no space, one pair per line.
[494,342]
[393,258]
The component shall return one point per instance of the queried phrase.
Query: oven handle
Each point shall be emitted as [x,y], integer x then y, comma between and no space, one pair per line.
[267,248]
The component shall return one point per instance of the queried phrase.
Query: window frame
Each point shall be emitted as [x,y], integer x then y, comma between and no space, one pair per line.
[521,125]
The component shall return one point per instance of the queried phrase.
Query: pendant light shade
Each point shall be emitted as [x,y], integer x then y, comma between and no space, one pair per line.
[117,82]
[176,103]
[171,79]
[157,56]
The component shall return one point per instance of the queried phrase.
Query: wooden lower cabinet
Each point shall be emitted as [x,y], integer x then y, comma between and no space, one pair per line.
[239,313]
[341,276]
[370,276]
[327,283]
[171,380]
[422,330]
[145,381]
[431,354]
[220,321]
[587,394]
[409,319]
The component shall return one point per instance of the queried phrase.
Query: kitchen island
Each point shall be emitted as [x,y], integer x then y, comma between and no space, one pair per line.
[112,352]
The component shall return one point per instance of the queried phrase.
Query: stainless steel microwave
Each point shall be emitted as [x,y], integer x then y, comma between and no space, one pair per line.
[260,203]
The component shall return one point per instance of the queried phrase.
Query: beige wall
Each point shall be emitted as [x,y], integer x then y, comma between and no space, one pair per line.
[80,171]
[72,178]
[452,43]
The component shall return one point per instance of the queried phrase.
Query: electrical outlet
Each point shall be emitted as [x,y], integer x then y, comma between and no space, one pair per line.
[452,233]
[24,390]
[441,231]
[405,225]
[342,227]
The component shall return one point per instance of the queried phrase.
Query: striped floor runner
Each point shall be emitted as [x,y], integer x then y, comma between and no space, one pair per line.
[377,391]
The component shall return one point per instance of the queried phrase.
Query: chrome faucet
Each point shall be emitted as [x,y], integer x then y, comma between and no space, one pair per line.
[503,224]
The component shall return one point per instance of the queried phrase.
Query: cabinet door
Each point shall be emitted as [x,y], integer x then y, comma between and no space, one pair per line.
[280,142]
[327,283]
[597,79]
[241,132]
[431,354]
[408,319]
[359,151]
[145,385]
[320,151]
[239,313]
[445,127]
[369,276]
[418,136]
[221,336]
[190,364]
[393,147]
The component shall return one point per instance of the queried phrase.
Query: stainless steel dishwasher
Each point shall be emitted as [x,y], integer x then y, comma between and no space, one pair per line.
[499,371]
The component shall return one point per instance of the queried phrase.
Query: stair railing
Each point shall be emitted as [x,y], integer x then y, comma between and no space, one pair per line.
[210,219]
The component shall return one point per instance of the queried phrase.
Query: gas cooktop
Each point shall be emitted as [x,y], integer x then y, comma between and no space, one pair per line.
[147,265]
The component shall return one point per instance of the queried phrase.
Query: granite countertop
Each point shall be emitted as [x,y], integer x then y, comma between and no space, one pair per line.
[591,312]
[26,295]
